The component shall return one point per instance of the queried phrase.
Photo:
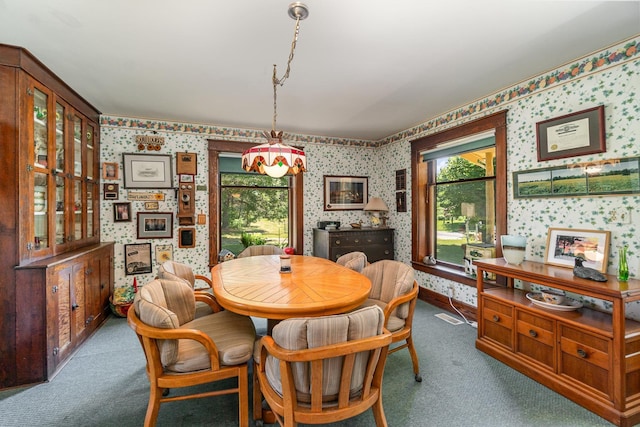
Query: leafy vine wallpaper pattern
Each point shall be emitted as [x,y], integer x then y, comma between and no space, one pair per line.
[610,77]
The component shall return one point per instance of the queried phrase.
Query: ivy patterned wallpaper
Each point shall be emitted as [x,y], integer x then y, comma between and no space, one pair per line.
[610,78]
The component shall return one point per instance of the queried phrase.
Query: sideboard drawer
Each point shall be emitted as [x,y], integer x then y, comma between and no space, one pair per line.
[535,338]
[497,320]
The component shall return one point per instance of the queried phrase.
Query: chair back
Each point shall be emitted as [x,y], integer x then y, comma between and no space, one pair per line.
[324,369]
[260,250]
[389,280]
[173,270]
[356,261]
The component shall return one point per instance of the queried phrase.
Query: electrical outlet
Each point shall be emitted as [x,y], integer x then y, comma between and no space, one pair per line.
[620,215]
[450,290]
[625,216]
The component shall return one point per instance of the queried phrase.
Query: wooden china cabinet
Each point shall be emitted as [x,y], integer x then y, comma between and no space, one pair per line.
[589,356]
[55,275]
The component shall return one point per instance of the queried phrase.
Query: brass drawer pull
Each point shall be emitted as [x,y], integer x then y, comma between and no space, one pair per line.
[496,318]
[533,333]
[582,353]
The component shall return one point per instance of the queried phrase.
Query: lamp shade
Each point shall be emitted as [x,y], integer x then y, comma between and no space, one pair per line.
[376,204]
[274,159]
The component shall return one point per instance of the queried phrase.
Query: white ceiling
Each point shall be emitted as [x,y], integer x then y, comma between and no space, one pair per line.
[362,69]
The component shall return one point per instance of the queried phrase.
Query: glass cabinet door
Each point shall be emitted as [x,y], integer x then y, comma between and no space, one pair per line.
[77,210]
[40,208]
[39,233]
[77,146]
[61,217]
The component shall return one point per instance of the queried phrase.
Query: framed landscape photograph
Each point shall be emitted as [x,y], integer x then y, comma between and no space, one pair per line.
[574,134]
[147,170]
[564,245]
[137,258]
[342,193]
[155,225]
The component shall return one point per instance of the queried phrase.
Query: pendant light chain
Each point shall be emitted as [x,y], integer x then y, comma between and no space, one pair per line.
[280,81]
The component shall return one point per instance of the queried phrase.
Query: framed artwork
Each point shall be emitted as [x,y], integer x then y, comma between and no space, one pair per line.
[155,225]
[122,212]
[187,238]
[598,177]
[147,170]
[164,253]
[151,206]
[137,258]
[109,170]
[401,201]
[110,191]
[564,245]
[343,193]
[574,134]
[186,164]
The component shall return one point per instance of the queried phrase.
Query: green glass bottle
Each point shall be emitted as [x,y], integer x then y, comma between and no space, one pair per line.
[623,267]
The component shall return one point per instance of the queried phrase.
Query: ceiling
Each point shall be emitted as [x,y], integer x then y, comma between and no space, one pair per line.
[363,69]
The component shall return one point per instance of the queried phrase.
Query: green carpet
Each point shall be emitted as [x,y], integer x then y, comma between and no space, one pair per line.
[104,384]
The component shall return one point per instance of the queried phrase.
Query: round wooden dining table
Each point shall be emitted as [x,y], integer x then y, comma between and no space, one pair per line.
[254,286]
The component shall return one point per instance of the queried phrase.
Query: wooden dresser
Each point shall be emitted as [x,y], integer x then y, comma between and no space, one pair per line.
[588,356]
[376,243]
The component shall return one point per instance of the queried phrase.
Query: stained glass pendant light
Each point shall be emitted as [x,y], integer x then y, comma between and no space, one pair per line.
[275,158]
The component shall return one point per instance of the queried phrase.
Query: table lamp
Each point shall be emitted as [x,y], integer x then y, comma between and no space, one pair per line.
[376,205]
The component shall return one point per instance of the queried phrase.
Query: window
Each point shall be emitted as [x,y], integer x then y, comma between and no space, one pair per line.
[219,172]
[459,194]
[254,208]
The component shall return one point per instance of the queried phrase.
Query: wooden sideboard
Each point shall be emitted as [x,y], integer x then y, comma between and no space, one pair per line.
[376,243]
[591,357]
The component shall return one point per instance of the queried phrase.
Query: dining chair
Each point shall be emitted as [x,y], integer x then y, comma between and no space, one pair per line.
[172,270]
[254,250]
[356,261]
[394,289]
[319,370]
[184,351]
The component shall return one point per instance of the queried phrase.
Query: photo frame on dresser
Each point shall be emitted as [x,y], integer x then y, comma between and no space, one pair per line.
[564,245]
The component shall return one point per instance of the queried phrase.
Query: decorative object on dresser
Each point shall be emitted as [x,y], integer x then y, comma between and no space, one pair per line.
[589,356]
[378,209]
[513,248]
[376,243]
[55,275]
[587,273]
[566,244]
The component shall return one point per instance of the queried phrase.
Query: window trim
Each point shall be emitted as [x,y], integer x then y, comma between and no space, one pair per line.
[215,148]
[421,244]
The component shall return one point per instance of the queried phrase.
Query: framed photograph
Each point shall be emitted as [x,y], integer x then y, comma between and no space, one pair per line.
[151,206]
[122,212]
[187,238]
[109,170]
[155,225]
[564,245]
[164,253]
[137,258]
[147,170]
[186,163]
[110,191]
[344,193]
[186,178]
[574,134]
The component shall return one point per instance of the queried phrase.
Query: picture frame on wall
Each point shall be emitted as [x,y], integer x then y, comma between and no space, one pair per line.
[137,258]
[155,225]
[110,191]
[164,253]
[186,164]
[147,170]
[564,245]
[122,212]
[571,135]
[342,193]
[110,170]
[187,238]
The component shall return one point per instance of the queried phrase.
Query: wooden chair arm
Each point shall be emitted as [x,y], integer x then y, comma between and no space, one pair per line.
[206,297]
[206,280]
[268,346]
[145,330]
[396,302]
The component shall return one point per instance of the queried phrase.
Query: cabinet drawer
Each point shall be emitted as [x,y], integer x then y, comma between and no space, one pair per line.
[497,320]
[359,239]
[535,337]
[585,358]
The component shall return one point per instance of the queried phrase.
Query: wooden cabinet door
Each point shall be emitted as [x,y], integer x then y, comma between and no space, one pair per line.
[93,295]
[79,300]
[59,324]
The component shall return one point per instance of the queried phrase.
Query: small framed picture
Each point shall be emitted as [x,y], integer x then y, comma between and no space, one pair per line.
[186,178]
[164,253]
[155,225]
[187,238]
[110,191]
[109,170]
[122,212]
[151,206]
[186,163]
[137,258]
